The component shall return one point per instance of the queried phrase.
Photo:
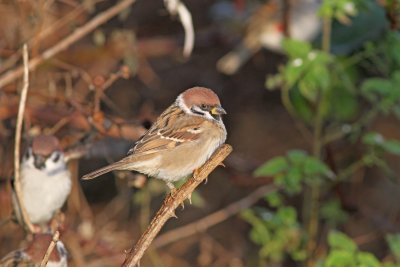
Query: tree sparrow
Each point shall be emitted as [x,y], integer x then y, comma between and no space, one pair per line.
[181,140]
[266,29]
[45,180]
[32,255]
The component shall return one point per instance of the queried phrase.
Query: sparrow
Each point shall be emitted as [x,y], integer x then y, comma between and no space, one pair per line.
[45,180]
[32,255]
[266,29]
[181,140]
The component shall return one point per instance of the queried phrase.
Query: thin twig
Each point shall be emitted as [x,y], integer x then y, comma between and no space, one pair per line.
[17,147]
[171,202]
[177,7]
[214,218]
[79,33]
[52,244]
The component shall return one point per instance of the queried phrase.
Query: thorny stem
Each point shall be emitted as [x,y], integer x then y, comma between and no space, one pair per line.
[144,221]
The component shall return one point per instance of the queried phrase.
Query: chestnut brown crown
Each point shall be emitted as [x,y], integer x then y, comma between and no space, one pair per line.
[44,145]
[197,96]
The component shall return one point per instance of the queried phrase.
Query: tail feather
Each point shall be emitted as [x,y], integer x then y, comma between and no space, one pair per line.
[119,165]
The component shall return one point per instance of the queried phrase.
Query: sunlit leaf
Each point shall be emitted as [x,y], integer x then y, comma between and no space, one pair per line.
[338,240]
[392,146]
[340,258]
[295,48]
[274,199]
[297,157]
[373,138]
[292,180]
[366,259]
[314,166]
[272,167]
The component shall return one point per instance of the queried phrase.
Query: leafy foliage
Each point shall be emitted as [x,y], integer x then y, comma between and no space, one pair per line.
[294,169]
[277,233]
[336,98]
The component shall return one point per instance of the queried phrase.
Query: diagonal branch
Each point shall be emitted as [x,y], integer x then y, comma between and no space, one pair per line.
[17,147]
[171,202]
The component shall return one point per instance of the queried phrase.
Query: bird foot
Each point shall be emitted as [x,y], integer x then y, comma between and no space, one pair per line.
[196,173]
[172,188]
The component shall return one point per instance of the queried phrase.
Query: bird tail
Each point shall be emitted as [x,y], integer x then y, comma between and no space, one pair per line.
[119,165]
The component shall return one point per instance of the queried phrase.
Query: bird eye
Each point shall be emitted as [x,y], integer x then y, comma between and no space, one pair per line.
[56,156]
[203,106]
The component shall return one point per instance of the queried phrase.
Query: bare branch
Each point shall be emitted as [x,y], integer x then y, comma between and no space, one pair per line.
[79,33]
[171,202]
[17,147]
[214,218]
[52,244]
[177,7]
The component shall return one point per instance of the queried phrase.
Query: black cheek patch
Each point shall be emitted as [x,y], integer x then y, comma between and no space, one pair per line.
[197,112]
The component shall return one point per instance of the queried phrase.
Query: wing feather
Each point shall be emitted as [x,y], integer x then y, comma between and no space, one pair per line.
[172,128]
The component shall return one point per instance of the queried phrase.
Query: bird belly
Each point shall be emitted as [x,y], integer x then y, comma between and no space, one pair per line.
[42,194]
[182,161]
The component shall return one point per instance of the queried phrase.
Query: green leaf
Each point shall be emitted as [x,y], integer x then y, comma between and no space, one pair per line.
[375,87]
[274,199]
[394,244]
[301,105]
[293,72]
[333,213]
[292,180]
[297,157]
[373,138]
[366,259]
[272,167]
[338,240]
[287,215]
[392,146]
[340,258]
[295,48]
[313,166]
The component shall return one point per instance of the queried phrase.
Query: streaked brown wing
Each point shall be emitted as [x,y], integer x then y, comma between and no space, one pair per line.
[171,129]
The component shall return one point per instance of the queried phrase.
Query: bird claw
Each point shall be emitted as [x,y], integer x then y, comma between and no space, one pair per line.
[172,188]
[173,214]
[196,173]
[190,198]
[222,164]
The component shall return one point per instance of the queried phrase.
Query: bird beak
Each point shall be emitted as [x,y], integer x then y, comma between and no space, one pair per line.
[218,111]
[39,161]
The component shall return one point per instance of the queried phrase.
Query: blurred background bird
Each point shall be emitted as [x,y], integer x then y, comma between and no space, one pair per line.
[267,28]
[32,255]
[45,180]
